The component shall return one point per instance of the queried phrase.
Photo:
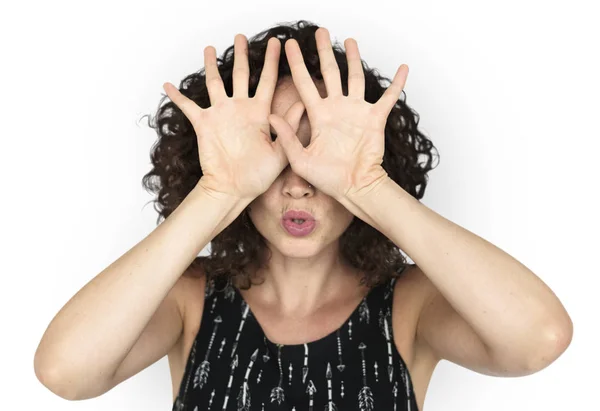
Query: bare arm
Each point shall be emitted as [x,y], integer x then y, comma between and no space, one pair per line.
[127,316]
[91,336]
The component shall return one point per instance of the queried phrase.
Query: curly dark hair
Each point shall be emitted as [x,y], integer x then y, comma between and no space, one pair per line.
[176,167]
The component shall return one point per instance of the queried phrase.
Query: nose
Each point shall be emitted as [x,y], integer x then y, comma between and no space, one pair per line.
[295,186]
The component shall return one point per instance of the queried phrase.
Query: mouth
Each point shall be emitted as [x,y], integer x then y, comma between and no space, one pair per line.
[298,216]
[298,227]
[298,223]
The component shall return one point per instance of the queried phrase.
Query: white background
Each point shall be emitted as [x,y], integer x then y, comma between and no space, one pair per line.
[508,92]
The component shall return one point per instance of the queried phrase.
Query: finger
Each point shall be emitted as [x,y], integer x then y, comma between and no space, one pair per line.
[329,67]
[294,115]
[386,102]
[288,141]
[241,72]
[268,76]
[187,106]
[356,75]
[281,156]
[214,82]
[300,75]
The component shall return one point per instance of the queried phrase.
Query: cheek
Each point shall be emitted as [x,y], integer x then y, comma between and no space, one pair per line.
[345,216]
[260,211]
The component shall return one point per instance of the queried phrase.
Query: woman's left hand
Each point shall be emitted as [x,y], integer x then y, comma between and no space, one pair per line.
[345,152]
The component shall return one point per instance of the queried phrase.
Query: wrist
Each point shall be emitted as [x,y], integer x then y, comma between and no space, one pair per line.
[229,207]
[357,196]
[210,190]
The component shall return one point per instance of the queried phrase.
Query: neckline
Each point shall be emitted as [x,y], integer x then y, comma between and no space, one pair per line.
[314,343]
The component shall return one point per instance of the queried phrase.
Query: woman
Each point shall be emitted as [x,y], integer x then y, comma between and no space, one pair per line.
[300,305]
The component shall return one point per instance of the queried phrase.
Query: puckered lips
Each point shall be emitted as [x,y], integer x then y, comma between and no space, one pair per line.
[298,215]
[298,223]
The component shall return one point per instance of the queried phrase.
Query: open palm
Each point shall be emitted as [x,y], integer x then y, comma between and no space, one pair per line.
[346,147]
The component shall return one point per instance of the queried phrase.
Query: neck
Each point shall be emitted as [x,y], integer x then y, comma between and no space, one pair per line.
[298,287]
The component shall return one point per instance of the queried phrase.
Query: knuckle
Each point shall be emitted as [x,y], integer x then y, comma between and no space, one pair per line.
[240,70]
[356,75]
[331,68]
[214,81]
[267,77]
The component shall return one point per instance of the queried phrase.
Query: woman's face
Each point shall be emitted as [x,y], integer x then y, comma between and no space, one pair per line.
[291,192]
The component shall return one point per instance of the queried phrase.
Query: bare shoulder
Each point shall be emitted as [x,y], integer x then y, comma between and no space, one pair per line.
[190,296]
[192,301]
[411,291]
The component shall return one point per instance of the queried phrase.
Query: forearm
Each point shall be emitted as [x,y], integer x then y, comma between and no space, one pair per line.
[507,305]
[100,324]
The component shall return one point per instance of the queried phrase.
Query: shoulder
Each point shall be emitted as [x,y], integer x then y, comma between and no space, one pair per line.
[412,290]
[189,290]
[189,293]
[192,293]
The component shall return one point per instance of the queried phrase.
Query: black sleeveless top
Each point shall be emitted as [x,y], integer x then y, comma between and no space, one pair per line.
[233,366]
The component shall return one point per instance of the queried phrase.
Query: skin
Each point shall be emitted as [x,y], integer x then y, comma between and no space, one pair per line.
[291,306]
[293,257]
[464,300]
[307,290]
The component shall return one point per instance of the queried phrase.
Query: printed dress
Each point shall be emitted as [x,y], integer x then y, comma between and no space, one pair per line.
[233,366]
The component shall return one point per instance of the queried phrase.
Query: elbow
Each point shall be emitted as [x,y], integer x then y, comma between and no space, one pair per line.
[555,341]
[52,379]
[69,384]
[535,352]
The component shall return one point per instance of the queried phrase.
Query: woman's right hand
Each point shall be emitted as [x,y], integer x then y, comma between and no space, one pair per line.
[237,155]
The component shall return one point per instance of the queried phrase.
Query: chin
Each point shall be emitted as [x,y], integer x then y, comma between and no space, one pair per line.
[298,247]
[298,252]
